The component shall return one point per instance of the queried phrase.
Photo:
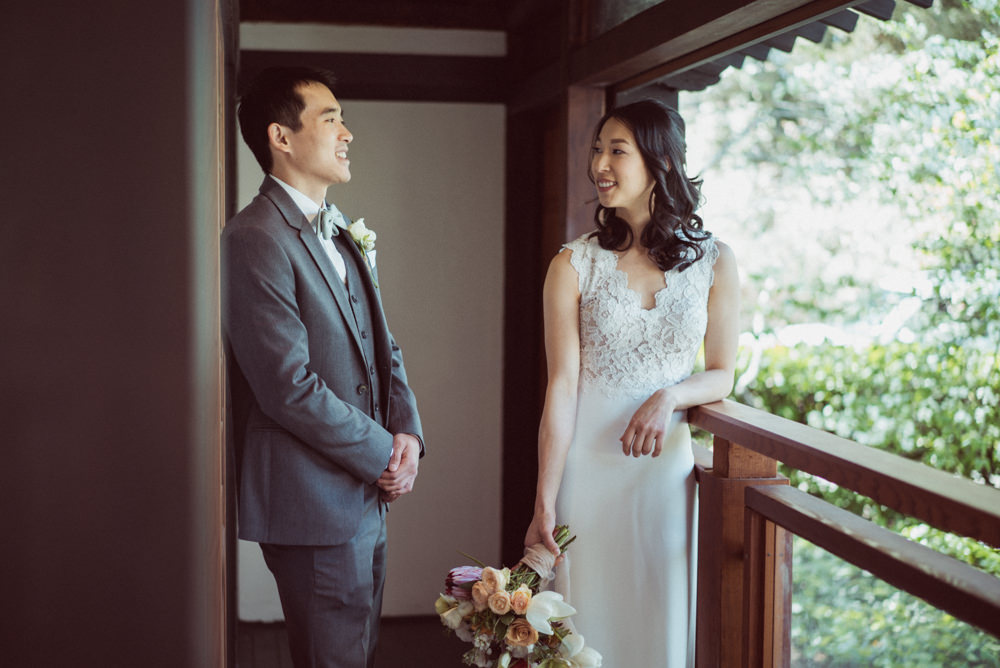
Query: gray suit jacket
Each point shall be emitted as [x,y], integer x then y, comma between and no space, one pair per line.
[307,439]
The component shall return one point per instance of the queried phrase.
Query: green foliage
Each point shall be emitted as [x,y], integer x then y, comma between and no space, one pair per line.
[901,117]
[851,618]
[905,112]
[937,406]
[902,398]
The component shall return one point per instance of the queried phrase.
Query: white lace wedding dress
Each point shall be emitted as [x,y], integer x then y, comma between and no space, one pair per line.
[630,575]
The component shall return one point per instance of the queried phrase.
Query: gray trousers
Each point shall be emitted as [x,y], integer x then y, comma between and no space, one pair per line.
[332,594]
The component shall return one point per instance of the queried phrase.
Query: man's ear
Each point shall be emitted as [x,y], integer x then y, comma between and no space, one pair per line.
[277,137]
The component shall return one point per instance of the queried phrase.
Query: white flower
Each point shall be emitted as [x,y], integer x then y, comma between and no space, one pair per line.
[586,658]
[363,237]
[464,633]
[579,655]
[444,602]
[546,607]
[452,618]
[452,612]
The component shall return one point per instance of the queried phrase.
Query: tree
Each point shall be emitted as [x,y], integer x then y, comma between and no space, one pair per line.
[870,234]
[900,116]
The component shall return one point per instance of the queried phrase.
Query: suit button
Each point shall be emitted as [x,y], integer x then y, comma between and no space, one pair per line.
[376,408]
[364,334]
[362,389]
[371,370]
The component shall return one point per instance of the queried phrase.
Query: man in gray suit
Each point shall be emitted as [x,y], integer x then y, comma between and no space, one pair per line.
[325,423]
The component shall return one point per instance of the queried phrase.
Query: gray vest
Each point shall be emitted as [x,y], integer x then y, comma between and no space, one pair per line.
[362,310]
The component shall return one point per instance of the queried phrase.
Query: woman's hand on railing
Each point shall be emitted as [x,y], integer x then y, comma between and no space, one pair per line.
[650,425]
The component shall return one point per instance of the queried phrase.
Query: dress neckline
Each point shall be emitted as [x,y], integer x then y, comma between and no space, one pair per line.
[635,296]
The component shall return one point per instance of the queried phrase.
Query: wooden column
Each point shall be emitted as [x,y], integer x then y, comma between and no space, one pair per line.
[111,482]
[767,593]
[722,550]
[549,201]
[584,106]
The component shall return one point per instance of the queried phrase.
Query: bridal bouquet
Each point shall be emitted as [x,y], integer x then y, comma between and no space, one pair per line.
[510,623]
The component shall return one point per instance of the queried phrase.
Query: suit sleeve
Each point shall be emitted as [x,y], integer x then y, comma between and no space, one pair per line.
[403,415]
[270,344]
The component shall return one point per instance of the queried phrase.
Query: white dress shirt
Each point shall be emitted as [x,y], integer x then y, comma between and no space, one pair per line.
[310,210]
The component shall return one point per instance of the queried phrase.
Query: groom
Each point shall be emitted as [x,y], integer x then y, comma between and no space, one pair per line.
[326,425]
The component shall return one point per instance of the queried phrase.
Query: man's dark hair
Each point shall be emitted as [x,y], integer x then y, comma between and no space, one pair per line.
[272,97]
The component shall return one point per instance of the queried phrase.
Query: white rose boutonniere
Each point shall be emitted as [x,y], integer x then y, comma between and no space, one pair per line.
[365,240]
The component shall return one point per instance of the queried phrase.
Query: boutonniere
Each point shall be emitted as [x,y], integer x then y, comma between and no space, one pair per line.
[365,241]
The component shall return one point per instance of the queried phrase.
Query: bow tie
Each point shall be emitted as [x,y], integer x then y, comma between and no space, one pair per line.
[326,223]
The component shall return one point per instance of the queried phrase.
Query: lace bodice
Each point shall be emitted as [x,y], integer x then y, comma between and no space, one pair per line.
[626,350]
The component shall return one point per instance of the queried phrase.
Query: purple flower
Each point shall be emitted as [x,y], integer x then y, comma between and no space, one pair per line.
[459,582]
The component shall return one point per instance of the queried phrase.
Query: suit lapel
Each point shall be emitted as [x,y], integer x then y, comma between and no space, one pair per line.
[294,217]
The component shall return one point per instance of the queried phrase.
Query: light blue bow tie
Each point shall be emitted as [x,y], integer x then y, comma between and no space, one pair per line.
[326,223]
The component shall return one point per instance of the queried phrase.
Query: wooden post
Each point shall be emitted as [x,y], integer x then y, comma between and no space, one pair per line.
[767,593]
[721,550]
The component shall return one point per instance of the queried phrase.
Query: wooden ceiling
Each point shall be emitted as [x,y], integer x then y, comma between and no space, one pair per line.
[468,14]
[676,44]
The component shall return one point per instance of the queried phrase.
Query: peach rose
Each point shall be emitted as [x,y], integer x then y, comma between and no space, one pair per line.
[500,602]
[495,580]
[520,599]
[521,634]
[480,596]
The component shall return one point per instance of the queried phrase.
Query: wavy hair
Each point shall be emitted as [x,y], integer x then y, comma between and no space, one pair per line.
[674,229]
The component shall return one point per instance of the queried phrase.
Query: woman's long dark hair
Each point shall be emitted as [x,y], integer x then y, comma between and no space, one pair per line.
[674,229]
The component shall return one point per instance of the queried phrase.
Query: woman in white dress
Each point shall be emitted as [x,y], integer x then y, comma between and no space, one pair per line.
[627,308]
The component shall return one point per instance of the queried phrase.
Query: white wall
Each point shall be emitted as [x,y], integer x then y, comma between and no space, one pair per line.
[429,179]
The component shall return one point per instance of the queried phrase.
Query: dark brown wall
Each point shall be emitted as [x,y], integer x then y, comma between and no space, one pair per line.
[109,468]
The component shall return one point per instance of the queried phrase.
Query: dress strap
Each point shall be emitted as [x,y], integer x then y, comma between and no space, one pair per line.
[582,260]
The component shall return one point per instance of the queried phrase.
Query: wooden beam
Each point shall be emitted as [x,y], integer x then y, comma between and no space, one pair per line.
[705,44]
[366,76]
[879,9]
[845,20]
[944,582]
[468,14]
[665,33]
[813,32]
[543,88]
[943,500]
[783,42]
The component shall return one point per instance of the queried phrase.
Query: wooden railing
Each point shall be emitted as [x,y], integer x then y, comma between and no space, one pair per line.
[748,514]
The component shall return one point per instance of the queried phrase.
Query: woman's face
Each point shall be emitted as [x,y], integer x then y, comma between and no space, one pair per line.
[619,172]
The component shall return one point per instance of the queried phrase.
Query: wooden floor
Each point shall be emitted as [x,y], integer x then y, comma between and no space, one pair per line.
[413,642]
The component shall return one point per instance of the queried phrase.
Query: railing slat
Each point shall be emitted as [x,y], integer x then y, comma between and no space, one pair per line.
[767,588]
[945,501]
[962,590]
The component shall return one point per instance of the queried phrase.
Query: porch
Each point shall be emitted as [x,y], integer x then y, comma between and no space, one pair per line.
[113,483]
[748,514]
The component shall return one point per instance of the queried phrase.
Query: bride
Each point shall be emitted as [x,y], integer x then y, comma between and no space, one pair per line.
[627,308]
